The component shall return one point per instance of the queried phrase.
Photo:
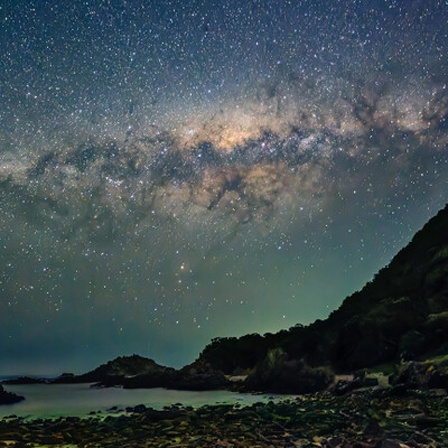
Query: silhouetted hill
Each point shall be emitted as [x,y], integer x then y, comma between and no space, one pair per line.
[123,370]
[402,314]
[139,372]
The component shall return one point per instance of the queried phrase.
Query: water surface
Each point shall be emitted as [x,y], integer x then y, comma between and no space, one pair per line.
[62,400]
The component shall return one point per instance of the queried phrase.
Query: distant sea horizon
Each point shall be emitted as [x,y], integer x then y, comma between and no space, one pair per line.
[35,377]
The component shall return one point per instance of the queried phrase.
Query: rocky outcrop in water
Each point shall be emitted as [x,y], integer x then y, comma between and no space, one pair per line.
[138,372]
[129,371]
[8,397]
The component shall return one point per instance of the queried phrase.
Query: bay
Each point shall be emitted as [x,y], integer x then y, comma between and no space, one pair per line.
[78,400]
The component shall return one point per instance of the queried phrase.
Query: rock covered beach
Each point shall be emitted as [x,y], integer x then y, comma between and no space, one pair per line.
[380,418]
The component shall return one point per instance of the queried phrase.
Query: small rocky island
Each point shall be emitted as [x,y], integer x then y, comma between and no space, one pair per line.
[8,397]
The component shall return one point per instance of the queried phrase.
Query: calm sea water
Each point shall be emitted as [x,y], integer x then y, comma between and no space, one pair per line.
[61,400]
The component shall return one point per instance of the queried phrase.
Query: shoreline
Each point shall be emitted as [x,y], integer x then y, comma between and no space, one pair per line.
[48,401]
[373,418]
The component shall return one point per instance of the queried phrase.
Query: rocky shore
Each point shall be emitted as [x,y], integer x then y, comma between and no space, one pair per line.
[373,418]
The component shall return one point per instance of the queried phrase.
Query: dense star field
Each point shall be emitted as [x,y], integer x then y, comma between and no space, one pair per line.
[174,171]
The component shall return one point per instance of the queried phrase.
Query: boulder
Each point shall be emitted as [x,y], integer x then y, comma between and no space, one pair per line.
[277,373]
[426,375]
[343,387]
[199,376]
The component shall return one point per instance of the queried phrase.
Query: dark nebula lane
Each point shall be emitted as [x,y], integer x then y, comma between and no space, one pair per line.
[175,171]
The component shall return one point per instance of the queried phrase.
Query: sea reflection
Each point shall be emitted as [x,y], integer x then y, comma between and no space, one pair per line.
[51,401]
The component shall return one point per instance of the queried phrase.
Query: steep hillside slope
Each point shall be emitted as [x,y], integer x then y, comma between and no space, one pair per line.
[401,314]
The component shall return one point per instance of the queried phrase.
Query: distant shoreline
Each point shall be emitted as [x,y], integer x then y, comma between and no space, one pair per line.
[34,377]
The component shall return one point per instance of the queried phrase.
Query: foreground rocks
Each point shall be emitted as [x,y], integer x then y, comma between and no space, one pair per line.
[423,375]
[279,374]
[380,419]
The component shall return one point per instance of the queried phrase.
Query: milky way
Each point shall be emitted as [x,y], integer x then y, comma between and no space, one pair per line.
[172,173]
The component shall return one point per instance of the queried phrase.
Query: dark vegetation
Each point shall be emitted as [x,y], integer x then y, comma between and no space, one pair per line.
[402,314]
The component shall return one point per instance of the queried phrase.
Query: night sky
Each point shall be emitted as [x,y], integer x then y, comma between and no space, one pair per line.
[173,171]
